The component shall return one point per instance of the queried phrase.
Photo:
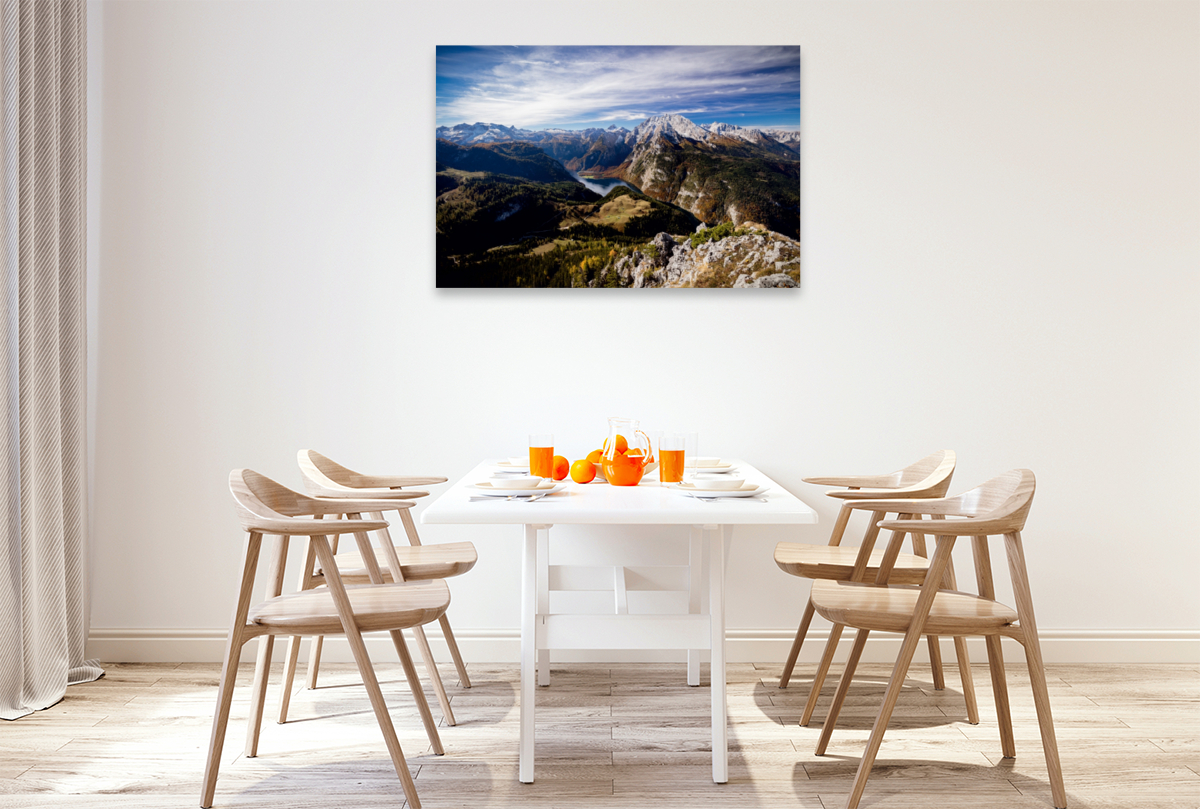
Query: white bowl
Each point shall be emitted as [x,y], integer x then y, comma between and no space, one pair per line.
[519,461]
[723,483]
[518,482]
[700,463]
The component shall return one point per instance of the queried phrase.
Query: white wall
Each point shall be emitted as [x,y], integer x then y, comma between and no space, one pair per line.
[1000,203]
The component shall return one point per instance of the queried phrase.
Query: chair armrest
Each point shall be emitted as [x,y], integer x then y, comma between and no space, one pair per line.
[878,494]
[360,494]
[309,528]
[949,528]
[855,481]
[915,505]
[348,505]
[397,481]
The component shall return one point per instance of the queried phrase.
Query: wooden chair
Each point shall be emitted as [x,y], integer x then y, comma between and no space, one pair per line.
[406,563]
[998,507]
[264,507]
[928,477]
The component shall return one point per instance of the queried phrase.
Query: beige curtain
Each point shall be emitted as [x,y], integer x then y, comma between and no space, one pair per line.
[43,571]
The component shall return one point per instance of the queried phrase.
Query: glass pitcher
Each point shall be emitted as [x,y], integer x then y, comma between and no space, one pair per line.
[628,453]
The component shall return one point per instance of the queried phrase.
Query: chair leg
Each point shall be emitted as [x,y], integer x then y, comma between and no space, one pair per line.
[839,697]
[895,685]
[912,638]
[258,693]
[1037,669]
[935,647]
[233,651]
[1008,743]
[935,662]
[968,682]
[314,661]
[1041,701]
[262,666]
[414,684]
[987,589]
[293,650]
[835,634]
[464,679]
[220,722]
[790,663]
[367,672]
[434,676]
[289,676]
[964,658]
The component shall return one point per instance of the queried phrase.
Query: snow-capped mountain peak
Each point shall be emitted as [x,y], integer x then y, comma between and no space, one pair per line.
[671,127]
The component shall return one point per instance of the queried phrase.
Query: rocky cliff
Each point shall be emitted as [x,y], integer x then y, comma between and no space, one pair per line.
[751,256]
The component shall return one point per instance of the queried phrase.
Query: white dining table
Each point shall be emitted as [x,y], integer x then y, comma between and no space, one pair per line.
[597,503]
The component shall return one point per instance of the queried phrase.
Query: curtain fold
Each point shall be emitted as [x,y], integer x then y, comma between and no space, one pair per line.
[43,481]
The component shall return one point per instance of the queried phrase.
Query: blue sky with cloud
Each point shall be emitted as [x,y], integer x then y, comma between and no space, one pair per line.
[575,87]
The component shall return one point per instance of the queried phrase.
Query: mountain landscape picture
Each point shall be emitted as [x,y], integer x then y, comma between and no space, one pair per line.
[618,166]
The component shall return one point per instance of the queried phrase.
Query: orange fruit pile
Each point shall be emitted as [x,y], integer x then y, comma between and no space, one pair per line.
[624,469]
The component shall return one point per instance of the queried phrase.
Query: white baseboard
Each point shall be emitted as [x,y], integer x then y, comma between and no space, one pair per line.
[742,646]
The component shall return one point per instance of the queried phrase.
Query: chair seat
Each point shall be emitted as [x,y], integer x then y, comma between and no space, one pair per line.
[837,563]
[889,608]
[417,562]
[376,607]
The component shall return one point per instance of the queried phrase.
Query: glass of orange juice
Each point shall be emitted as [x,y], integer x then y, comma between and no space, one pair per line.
[541,455]
[670,457]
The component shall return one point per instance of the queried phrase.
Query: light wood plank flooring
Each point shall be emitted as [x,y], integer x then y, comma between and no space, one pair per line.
[610,736]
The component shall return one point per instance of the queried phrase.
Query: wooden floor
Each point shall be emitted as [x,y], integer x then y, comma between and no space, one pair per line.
[610,736]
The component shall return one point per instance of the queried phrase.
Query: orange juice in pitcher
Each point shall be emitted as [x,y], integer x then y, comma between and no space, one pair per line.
[628,453]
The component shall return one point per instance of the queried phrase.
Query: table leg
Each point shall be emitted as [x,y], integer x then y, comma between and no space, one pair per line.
[695,564]
[716,608]
[543,599]
[529,600]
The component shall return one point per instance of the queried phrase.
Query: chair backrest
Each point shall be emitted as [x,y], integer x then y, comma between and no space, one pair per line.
[999,506]
[1003,501]
[266,507]
[321,472]
[324,477]
[928,477]
[932,470]
[260,500]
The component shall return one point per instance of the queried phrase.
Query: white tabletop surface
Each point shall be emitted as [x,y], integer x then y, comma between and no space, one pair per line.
[648,503]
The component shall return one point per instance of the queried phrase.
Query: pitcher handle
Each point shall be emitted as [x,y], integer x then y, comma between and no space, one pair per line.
[649,446]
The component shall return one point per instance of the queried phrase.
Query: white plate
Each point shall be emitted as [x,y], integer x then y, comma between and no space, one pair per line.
[509,466]
[498,489]
[708,465]
[747,490]
[709,470]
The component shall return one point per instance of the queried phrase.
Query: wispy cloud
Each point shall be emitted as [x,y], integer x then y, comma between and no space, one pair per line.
[538,87]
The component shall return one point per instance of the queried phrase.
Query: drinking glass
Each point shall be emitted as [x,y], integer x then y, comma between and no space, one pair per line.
[541,455]
[671,455]
[691,450]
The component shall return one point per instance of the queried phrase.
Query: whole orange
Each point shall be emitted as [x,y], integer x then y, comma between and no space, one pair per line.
[583,471]
[560,467]
[595,455]
[622,445]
